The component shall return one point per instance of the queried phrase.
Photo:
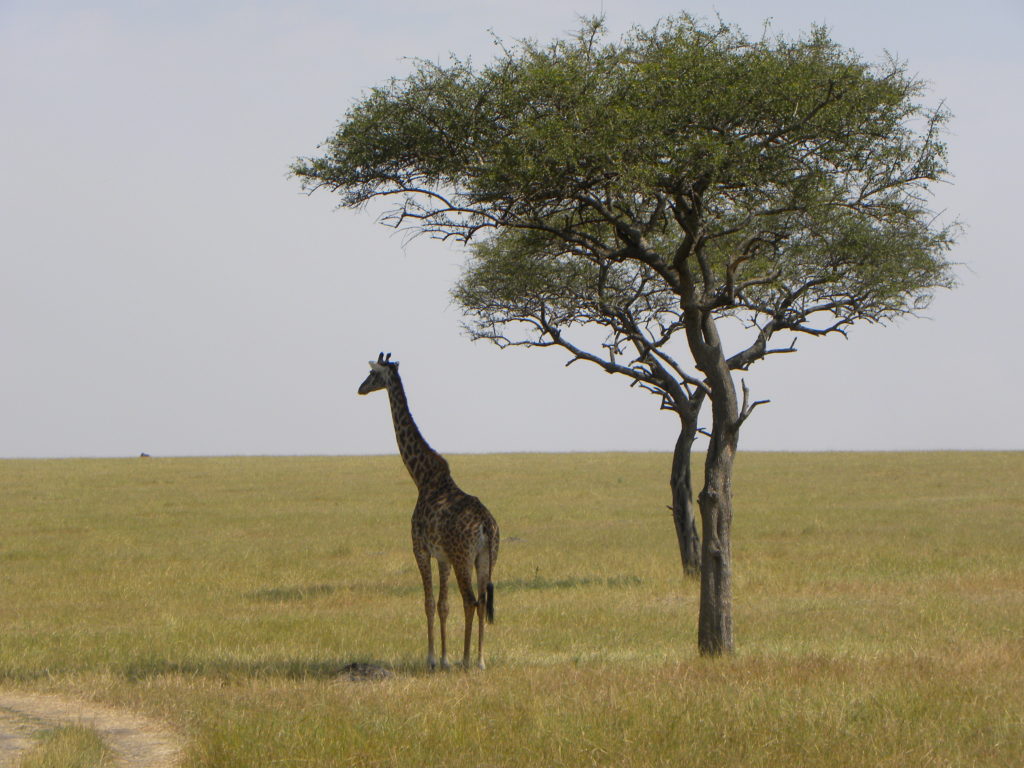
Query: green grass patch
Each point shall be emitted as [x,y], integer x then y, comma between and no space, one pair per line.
[879,610]
[70,746]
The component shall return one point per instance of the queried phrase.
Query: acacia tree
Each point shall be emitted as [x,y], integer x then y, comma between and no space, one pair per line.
[780,183]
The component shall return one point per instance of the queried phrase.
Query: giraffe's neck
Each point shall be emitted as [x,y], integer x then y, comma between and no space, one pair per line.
[426,466]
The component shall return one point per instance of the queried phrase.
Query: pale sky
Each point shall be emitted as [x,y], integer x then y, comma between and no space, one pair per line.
[165,287]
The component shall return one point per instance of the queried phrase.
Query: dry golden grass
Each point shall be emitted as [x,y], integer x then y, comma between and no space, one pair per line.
[879,610]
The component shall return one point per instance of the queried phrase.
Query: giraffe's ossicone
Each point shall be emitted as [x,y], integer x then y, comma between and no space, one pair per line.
[448,524]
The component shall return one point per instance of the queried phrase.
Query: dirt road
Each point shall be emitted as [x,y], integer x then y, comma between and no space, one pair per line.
[137,741]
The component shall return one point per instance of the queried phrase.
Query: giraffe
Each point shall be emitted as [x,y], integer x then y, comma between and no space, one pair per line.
[448,524]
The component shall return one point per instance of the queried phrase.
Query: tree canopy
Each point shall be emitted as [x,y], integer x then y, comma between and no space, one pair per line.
[785,181]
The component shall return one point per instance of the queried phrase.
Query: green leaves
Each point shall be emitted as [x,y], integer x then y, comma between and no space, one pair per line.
[760,175]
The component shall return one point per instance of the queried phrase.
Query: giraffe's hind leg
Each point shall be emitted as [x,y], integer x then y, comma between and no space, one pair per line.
[423,561]
[483,579]
[464,576]
[443,569]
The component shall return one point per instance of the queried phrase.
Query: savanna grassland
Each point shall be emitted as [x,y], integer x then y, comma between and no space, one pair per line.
[879,609]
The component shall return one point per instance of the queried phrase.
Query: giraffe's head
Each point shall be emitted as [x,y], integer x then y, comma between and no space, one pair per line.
[380,372]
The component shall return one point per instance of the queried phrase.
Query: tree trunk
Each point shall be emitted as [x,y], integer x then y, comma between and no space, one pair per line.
[714,624]
[714,630]
[682,499]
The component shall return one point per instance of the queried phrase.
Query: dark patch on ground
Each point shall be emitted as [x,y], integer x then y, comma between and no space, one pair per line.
[360,670]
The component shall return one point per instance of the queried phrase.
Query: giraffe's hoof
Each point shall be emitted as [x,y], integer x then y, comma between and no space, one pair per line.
[445,664]
[431,662]
[480,664]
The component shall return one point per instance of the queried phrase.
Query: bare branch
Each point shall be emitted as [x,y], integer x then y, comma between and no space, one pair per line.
[747,407]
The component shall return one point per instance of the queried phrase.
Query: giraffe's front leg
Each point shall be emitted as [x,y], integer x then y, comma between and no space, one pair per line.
[423,561]
[443,569]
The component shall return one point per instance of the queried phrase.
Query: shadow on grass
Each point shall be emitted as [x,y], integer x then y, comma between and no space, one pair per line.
[249,669]
[413,587]
[312,591]
[241,670]
[542,582]
[290,594]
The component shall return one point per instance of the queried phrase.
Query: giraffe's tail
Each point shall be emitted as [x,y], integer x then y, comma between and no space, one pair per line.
[492,551]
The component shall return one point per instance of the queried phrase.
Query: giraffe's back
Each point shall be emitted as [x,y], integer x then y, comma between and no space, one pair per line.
[456,526]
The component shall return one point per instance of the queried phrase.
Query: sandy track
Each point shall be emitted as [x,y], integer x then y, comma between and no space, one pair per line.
[137,741]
